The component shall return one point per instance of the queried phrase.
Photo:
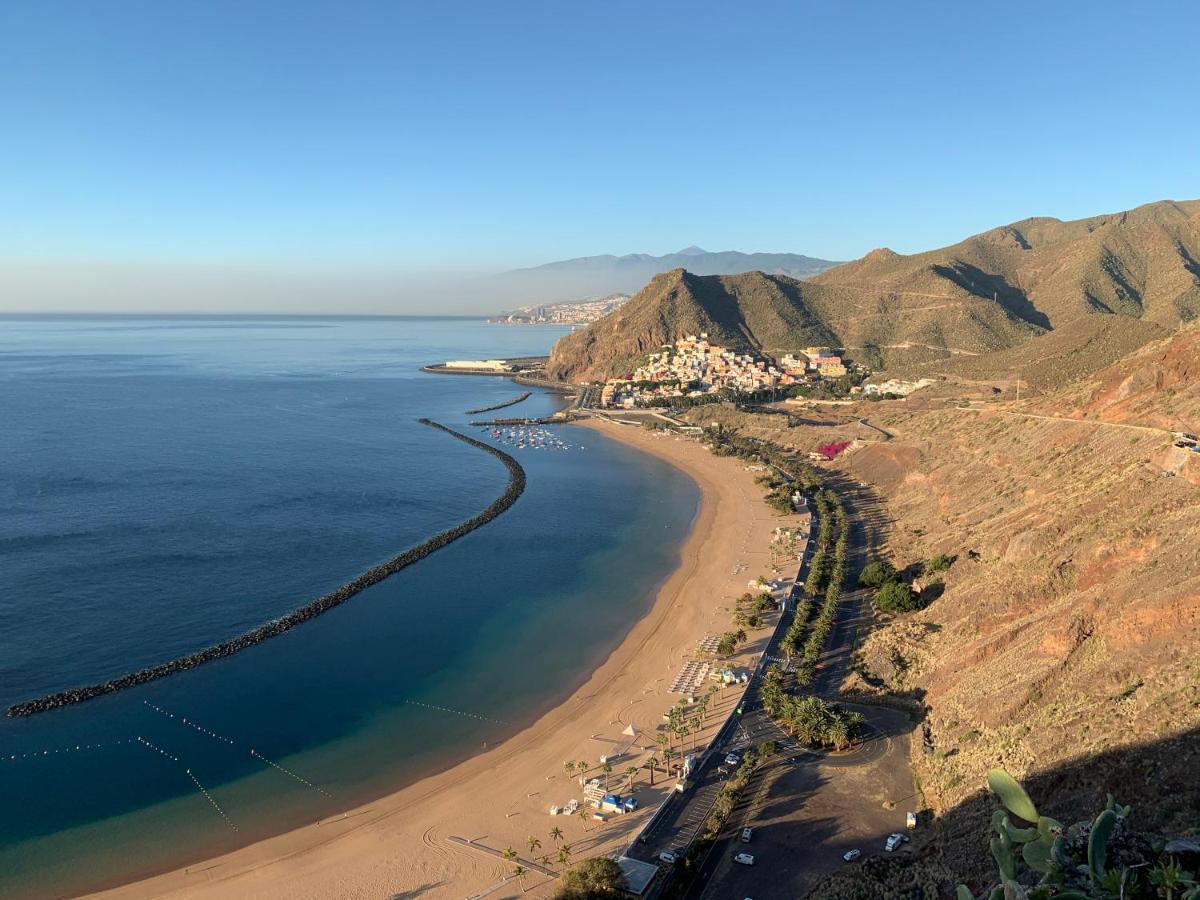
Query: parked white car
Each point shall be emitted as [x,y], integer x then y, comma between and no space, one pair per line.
[667,856]
[744,858]
[851,855]
[747,833]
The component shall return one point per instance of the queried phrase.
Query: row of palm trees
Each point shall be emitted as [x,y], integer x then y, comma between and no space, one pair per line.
[582,767]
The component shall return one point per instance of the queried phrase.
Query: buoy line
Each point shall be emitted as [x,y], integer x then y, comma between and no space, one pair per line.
[190,774]
[457,712]
[196,726]
[516,486]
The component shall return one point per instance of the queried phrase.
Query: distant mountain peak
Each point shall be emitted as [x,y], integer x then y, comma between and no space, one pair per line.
[593,276]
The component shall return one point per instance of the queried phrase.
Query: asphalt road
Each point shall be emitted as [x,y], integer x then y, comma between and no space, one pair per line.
[811,807]
[806,808]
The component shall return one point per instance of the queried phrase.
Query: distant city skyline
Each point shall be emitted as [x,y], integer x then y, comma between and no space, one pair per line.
[380,157]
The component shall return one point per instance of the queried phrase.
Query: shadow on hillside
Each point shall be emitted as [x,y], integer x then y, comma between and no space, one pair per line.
[984,284]
[1158,779]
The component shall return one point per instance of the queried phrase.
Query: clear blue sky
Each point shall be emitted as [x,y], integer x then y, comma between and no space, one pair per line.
[363,136]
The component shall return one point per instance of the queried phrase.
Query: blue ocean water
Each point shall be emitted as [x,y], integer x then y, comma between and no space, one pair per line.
[166,483]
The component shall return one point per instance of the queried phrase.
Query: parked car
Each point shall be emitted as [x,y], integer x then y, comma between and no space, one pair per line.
[732,759]
[744,858]
[851,855]
[747,833]
[667,856]
[894,841]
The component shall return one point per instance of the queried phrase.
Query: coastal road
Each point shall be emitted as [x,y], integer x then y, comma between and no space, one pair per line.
[684,815]
[810,807]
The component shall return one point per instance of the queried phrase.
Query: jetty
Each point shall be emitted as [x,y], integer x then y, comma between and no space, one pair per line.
[506,403]
[516,486]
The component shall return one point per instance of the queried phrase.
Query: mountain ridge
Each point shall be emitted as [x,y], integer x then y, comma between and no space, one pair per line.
[995,301]
[591,276]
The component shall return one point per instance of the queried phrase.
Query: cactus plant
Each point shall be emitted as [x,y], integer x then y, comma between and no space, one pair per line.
[1041,860]
[1012,795]
[1102,830]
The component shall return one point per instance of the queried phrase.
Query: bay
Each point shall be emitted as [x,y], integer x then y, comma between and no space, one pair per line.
[166,483]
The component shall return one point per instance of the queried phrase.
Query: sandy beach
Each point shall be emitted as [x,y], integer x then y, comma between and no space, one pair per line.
[402,845]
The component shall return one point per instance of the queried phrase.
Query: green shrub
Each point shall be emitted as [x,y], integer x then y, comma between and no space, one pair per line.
[940,563]
[592,878]
[896,597]
[877,574]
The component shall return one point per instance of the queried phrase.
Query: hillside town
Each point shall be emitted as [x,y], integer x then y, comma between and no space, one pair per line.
[693,368]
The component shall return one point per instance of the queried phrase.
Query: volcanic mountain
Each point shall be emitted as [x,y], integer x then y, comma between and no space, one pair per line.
[593,276]
[1054,299]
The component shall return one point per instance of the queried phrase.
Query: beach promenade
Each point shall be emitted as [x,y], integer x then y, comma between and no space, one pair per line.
[412,842]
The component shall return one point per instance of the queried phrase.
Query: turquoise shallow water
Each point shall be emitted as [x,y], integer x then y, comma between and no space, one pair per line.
[168,483]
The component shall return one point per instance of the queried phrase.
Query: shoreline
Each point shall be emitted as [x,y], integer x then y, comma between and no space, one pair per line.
[400,842]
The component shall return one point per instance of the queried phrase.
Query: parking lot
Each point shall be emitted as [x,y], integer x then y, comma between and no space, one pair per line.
[807,810]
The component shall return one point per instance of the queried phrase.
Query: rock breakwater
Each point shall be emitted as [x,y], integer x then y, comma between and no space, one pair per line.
[512,402]
[516,485]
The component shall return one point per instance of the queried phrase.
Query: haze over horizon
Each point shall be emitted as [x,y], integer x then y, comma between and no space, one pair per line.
[302,158]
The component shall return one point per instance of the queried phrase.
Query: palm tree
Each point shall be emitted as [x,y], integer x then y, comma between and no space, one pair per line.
[556,834]
[650,764]
[509,853]
[631,773]
[672,726]
[544,861]
[564,854]
[838,733]
[607,767]
[582,768]
[569,767]
[667,754]
[520,872]
[533,843]
[583,817]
